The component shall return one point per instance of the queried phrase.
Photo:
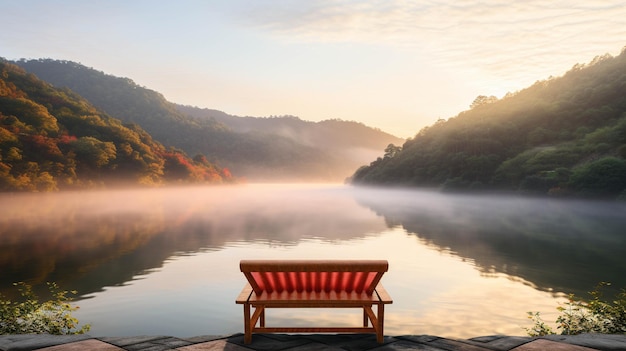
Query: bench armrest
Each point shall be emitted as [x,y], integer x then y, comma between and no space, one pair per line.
[244,295]
[383,295]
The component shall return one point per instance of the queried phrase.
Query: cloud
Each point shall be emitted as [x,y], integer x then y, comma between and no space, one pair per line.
[508,41]
[411,61]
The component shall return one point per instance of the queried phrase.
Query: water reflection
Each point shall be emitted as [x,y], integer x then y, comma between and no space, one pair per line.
[566,246]
[151,261]
[86,241]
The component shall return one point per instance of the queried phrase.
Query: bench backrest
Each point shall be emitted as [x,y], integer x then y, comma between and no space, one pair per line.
[313,275]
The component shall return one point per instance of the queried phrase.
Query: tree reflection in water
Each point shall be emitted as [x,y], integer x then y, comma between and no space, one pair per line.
[129,251]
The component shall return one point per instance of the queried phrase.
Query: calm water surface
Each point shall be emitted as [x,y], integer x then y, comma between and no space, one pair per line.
[148,262]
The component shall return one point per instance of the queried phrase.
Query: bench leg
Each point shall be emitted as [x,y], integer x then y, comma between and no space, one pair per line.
[247,328]
[377,320]
[381,318]
[262,318]
[259,311]
[365,318]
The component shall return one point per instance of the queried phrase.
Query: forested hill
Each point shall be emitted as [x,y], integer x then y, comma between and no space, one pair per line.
[561,136]
[54,139]
[333,134]
[258,151]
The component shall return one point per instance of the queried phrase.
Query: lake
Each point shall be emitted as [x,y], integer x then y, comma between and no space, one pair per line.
[165,261]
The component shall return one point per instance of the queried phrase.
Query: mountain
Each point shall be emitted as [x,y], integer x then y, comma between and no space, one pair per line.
[561,136]
[350,142]
[277,149]
[329,134]
[53,139]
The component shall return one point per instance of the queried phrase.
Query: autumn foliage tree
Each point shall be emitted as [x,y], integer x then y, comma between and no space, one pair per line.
[53,139]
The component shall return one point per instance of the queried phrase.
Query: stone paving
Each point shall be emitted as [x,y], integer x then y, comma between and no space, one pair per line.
[309,342]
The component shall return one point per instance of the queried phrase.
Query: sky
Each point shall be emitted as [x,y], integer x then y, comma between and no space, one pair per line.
[396,65]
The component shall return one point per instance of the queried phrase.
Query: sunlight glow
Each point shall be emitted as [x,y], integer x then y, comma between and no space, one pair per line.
[396,65]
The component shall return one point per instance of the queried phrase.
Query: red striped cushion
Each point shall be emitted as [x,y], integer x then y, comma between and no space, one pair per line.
[315,281]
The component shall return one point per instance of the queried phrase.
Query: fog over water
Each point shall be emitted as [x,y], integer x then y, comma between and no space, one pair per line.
[165,261]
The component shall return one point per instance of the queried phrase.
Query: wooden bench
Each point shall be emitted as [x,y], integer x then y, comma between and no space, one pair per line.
[310,284]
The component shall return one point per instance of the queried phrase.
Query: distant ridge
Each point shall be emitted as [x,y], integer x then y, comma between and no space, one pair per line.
[267,149]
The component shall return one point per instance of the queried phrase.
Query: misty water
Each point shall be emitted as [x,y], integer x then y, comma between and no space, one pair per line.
[165,261]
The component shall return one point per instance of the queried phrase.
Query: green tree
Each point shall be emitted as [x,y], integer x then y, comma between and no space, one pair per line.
[392,151]
[45,182]
[482,100]
[32,316]
[29,112]
[605,177]
[94,152]
[577,316]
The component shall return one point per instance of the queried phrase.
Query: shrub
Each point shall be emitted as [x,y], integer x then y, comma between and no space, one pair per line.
[604,177]
[31,316]
[578,316]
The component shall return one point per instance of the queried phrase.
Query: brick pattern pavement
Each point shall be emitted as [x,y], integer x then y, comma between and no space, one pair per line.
[323,342]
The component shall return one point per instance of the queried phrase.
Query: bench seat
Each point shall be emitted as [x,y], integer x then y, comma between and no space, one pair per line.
[313,284]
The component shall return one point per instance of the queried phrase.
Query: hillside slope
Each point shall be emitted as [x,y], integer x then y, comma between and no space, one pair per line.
[349,143]
[260,150]
[54,139]
[330,134]
[561,136]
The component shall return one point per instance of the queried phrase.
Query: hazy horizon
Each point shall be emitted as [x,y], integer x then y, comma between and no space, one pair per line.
[411,62]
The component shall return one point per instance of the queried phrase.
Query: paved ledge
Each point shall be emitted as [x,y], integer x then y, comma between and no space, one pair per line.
[310,342]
